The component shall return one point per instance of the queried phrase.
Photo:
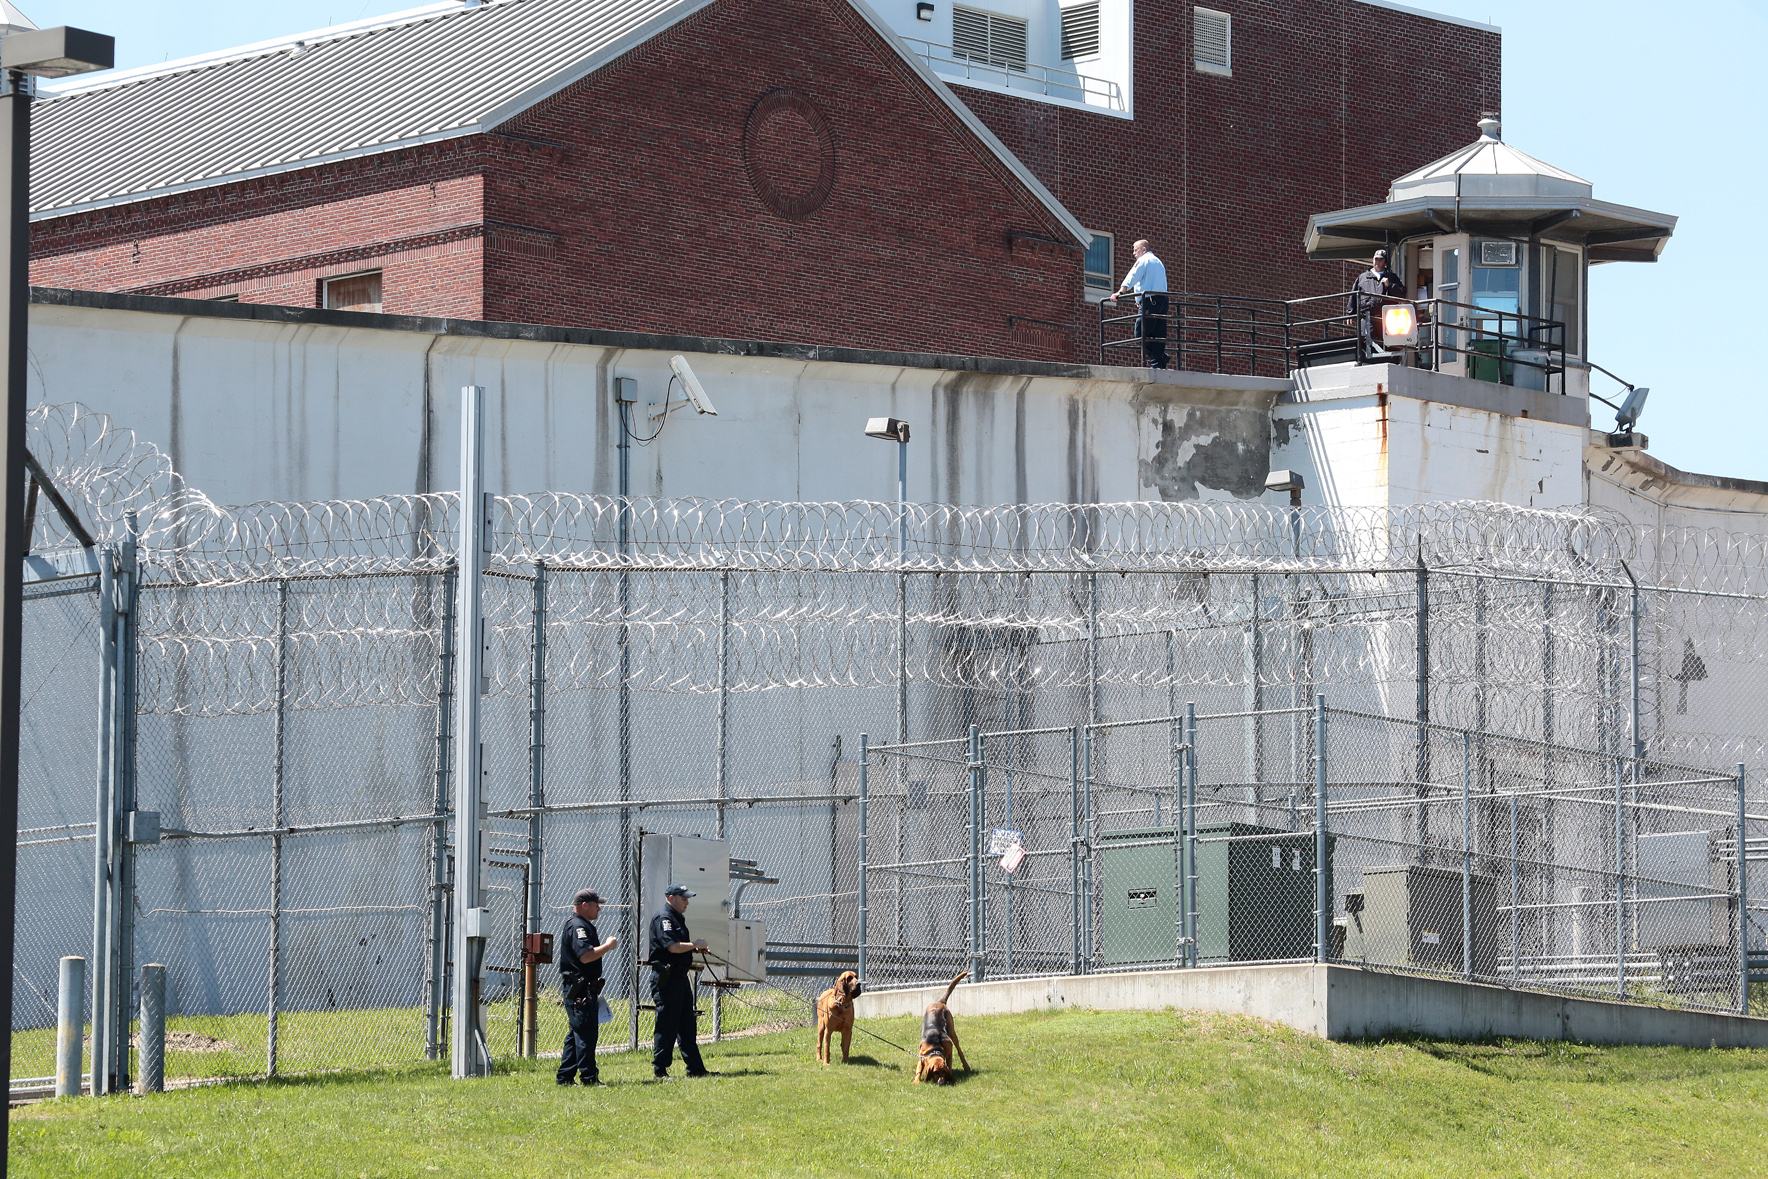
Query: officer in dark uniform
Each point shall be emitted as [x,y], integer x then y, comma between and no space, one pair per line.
[1375,288]
[671,956]
[581,951]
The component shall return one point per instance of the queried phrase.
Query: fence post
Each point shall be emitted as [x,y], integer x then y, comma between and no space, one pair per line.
[129,628]
[1092,651]
[1074,842]
[70,1004]
[103,860]
[1620,879]
[278,819]
[975,854]
[864,851]
[1515,900]
[1190,889]
[439,809]
[468,1054]
[1322,902]
[153,1028]
[1087,837]
[536,805]
[1421,707]
[1743,900]
[1466,855]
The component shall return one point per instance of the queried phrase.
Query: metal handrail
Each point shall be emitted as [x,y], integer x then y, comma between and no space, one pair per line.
[1240,333]
[1029,76]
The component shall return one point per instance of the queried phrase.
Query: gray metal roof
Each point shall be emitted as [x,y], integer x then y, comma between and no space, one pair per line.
[446,70]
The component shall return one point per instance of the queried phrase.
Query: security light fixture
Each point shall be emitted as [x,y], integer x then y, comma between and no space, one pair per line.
[57,53]
[923,12]
[1632,405]
[888,429]
[696,392]
[1399,325]
[1290,481]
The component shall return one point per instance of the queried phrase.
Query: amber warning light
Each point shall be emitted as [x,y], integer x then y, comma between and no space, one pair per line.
[1399,325]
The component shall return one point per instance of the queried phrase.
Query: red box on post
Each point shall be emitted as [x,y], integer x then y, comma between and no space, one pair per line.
[537,949]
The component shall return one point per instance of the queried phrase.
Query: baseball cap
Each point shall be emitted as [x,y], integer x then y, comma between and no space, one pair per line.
[585,895]
[677,890]
[1381,253]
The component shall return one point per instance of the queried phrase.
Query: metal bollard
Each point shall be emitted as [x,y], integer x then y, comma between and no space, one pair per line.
[153,1028]
[69,1025]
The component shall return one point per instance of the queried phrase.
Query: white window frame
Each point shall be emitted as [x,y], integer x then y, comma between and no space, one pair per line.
[1221,69]
[1098,294]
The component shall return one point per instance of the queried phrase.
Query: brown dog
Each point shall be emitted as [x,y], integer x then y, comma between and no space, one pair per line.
[834,1013]
[939,1036]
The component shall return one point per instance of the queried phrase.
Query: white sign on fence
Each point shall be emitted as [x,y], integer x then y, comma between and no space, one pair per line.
[1002,839]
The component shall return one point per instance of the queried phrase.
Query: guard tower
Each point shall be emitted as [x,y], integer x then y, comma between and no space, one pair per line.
[1495,247]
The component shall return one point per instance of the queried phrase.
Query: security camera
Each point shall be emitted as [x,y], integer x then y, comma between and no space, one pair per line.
[696,392]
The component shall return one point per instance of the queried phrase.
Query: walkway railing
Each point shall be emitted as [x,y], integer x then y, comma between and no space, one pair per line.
[1272,337]
[1039,79]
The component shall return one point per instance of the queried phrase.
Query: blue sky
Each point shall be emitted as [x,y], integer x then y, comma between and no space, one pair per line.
[1659,105]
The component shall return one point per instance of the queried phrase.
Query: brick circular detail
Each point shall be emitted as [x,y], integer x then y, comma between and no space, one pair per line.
[789,153]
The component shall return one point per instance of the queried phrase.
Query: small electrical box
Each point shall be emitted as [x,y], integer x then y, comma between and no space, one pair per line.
[625,390]
[748,956]
[537,949]
[143,827]
[478,922]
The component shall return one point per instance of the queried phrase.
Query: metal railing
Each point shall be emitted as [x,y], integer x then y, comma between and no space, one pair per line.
[1254,336]
[1040,79]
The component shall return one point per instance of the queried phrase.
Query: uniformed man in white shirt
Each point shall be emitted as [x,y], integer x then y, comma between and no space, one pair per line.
[1146,281]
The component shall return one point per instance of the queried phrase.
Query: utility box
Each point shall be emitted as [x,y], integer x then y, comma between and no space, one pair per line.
[1255,894]
[1683,864]
[1410,915]
[704,866]
[748,956]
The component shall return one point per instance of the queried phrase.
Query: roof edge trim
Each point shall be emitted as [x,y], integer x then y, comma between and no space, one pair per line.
[1482,26]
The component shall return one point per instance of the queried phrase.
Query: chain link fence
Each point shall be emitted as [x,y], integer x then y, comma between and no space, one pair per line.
[276,682]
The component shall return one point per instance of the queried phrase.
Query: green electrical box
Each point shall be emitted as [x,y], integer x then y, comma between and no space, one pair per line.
[1255,895]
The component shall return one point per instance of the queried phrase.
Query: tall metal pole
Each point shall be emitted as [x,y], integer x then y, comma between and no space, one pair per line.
[1466,855]
[1190,895]
[1322,902]
[1092,650]
[1515,901]
[536,805]
[975,854]
[15,158]
[438,984]
[1743,900]
[1620,880]
[724,701]
[468,1053]
[1088,840]
[278,820]
[1421,707]
[629,913]
[104,810]
[864,852]
[1074,841]
[1635,730]
[1255,702]
[123,914]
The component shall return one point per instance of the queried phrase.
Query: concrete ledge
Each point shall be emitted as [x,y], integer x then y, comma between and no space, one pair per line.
[1343,1003]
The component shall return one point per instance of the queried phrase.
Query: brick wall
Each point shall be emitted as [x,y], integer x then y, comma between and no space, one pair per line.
[1328,102]
[669,192]
[635,200]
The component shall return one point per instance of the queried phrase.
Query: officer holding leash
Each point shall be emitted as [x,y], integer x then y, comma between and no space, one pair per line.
[580,978]
[671,957]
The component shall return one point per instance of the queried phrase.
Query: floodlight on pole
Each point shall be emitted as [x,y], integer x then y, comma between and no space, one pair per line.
[42,53]
[896,430]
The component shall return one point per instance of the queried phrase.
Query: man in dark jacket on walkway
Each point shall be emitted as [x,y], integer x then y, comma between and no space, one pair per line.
[1375,288]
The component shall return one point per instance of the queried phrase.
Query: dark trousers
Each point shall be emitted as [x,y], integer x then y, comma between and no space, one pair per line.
[579,1055]
[676,1022]
[1151,329]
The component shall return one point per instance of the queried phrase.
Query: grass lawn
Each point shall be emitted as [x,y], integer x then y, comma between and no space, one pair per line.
[1072,1093]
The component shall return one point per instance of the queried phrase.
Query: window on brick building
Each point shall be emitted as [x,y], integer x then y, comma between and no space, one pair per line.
[1099,272]
[1212,41]
[989,37]
[354,292]
[233,298]
[1080,31]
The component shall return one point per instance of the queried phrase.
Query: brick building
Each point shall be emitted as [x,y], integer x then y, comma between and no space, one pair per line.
[798,170]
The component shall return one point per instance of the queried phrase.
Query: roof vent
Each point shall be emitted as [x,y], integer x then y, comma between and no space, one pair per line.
[1489,128]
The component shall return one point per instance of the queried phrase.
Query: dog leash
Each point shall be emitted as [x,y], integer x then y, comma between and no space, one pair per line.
[710,956]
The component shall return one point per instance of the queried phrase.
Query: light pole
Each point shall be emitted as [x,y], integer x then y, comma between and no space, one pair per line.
[897,431]
[42,53]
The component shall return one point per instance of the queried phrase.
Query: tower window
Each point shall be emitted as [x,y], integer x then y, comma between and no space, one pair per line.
[354,292]
[1212,44]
